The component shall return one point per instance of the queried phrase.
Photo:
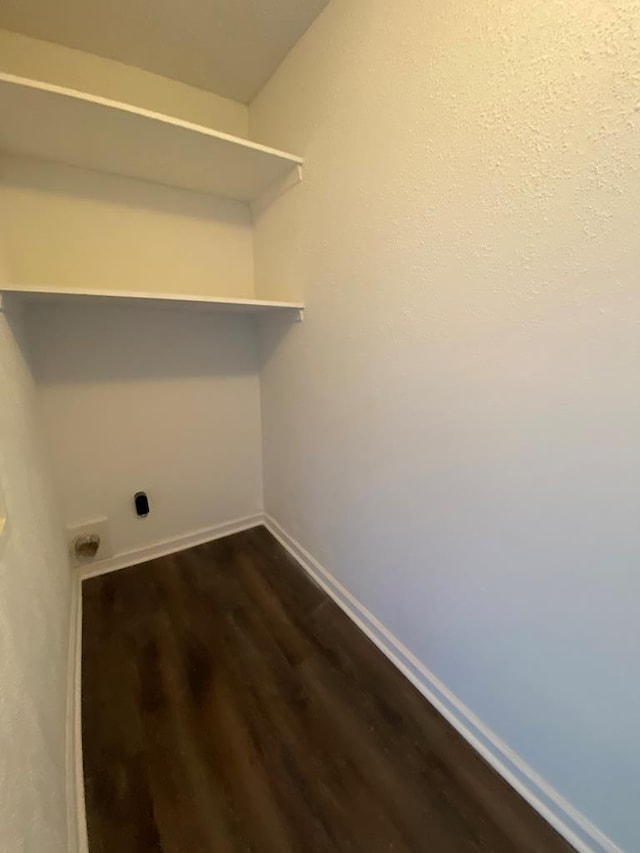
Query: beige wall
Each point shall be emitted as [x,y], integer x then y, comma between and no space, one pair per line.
[165,400]
[453,431]
[63,66]
[34,625]
[73,228]
[70,228]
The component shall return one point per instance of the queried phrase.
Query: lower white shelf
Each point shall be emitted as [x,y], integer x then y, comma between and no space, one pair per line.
[200,303]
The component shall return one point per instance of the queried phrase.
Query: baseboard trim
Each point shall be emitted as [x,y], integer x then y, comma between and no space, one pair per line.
[170,546]
[77,822]
[568,821]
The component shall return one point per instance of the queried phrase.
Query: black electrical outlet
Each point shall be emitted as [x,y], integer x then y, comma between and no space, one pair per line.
[142,504]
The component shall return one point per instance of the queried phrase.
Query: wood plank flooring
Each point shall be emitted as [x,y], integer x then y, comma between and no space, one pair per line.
[228,705]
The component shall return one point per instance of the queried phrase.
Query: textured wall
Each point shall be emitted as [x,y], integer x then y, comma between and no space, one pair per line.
[166,400]
[34,627]
[453,431]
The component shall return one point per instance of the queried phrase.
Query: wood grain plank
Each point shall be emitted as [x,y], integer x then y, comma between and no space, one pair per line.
[229,705]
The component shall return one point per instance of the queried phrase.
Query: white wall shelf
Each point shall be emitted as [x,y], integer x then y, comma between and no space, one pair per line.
[66,126]
[32,295]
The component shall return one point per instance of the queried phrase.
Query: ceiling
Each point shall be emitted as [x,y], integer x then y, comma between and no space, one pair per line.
[230,47]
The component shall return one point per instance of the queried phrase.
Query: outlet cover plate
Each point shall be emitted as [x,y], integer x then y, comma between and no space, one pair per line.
[99,526]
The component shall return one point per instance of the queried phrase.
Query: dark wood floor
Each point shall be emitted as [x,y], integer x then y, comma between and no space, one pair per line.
[229,705]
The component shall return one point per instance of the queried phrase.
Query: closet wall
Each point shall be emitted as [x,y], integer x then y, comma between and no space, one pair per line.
[453,432]
[34,622]
[164,400]
[161,400]
[83,230]
[71,228]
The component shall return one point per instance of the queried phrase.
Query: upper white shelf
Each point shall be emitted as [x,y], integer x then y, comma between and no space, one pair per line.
[65,126]
[126,298]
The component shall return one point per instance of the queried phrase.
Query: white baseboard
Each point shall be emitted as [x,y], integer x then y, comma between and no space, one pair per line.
[568,821]
[170,546]
[76,815]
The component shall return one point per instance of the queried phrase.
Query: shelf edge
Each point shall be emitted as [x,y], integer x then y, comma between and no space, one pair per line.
[184,298]
[162,118]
